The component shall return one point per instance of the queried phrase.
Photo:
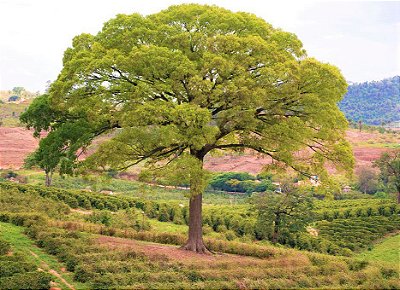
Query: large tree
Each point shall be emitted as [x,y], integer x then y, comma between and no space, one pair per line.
[192,79]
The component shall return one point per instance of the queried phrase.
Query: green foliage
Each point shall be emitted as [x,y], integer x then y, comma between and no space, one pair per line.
[389,166]
[4,247]
[18,90]
[240,182]
[101,266]
[374,102]
[192,79]
[16,272]
[357,233]
[29,280]
[281,213]
[367,181]
[40,115]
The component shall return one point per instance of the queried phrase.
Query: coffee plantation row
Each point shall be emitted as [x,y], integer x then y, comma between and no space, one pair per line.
[231,222]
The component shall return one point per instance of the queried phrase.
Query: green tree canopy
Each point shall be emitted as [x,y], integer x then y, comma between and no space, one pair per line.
[193,79]
[389,165]
[284,213]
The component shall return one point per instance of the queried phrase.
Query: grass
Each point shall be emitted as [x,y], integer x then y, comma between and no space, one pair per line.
[164,227]
[10,112]
[21,244]
[386,251]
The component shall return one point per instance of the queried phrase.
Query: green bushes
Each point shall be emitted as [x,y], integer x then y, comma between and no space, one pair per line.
[357,233]
[17,273]
[355,208]
[240,182]
[128,217]
[22,218]
[114,267]
[29,280]
[162,211]
[5,247]
[9,268]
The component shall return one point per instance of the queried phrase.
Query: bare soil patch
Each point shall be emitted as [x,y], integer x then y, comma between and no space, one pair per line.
[17,143]
[159,251]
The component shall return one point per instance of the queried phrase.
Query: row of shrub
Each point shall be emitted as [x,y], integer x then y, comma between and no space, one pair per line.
[103,267]
[89,200]
[230,222]
[360,211]
[170,238]
[225,219]
[357,233]
[351,203]
[17,273]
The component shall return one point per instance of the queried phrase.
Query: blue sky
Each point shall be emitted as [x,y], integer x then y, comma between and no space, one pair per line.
[362,38]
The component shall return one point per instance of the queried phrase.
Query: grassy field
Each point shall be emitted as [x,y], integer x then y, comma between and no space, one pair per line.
[10,112]
[388,250]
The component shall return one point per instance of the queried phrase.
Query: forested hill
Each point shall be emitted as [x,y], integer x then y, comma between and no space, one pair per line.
[373,102]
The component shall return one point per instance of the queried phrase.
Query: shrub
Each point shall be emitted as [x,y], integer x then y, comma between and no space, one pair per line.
[5,247]
[30,280]
[9,268]
[230,235]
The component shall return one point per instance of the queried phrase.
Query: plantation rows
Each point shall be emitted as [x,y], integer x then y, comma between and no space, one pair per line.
[358,233]
[340,209]
[231,222]
[17,273]
[101,267]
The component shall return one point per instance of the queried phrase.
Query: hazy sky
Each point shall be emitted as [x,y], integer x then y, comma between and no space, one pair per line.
[362,38]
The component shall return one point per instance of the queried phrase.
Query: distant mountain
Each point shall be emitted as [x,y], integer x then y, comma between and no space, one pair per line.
[373,102]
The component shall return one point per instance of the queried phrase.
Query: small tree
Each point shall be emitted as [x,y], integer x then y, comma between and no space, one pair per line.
[18,91]
[389,165]
[287,211]
[68,135]
[367,181]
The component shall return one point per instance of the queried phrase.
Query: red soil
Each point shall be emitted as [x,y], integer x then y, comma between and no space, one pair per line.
[168,252]
[17,143]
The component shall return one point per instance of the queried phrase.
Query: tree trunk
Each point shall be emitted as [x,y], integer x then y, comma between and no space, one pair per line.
[195,241]
[275,234]
[398,194]
[48,179]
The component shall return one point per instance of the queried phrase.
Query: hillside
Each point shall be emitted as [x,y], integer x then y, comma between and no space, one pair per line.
[17,143]
[373,102]
[12,104]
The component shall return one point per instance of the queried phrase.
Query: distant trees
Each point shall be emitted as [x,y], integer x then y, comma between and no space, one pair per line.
[18,91]
[240,182]
[389,165]
[367,181]
[374,102]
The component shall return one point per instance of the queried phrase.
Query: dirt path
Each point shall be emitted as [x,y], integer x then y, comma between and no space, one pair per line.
[52,271]
[169,251]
